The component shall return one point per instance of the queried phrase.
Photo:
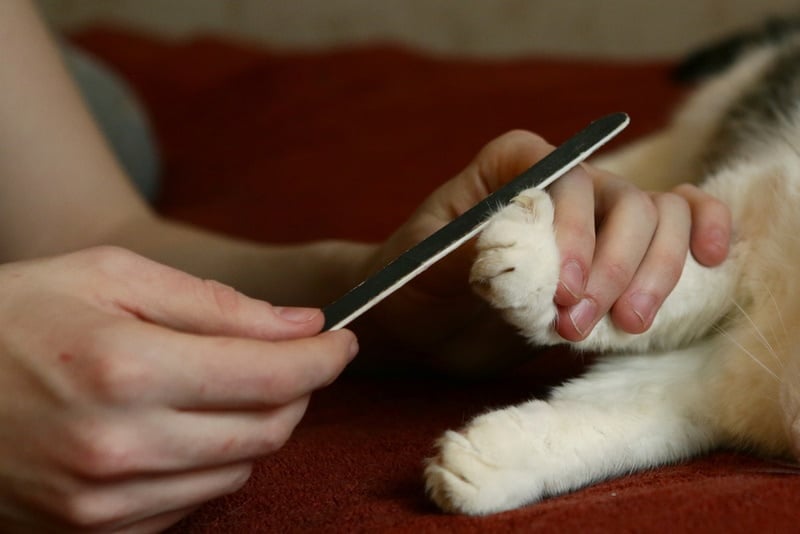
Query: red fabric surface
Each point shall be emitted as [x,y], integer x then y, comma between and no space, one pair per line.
[286,147]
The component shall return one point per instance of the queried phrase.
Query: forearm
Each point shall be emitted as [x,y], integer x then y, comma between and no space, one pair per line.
[310,274]
[60,186]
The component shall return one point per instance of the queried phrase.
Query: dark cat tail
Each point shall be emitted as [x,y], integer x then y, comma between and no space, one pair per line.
[717,56]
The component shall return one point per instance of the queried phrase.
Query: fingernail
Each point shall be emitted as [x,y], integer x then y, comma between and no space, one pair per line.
[582,315]
[644,306]
[297,315]
[572,278]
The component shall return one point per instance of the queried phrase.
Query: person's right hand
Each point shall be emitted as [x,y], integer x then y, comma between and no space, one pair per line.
[131,393]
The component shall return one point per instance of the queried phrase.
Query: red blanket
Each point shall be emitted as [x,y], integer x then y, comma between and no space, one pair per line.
[285,147]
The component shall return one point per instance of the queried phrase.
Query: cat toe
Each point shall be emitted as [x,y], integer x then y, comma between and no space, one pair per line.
[454,478]
[484,469]
[517,266]
[447,490]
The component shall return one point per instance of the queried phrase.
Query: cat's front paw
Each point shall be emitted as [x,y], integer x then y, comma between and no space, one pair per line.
[517,266]
[487,467]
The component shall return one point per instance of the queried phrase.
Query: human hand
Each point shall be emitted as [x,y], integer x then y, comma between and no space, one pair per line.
[623,249]
[623,241]
[131,393]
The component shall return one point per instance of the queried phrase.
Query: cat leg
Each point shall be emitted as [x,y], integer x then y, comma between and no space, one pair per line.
[653,163]
[626,414]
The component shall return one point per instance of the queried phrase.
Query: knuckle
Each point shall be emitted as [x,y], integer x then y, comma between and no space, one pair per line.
[224,298]
[518,134]
[578,230]
[277,434]
[269,381]
[109,264]
[109,258]
[279,438]
[719,208]
[643,202]
[273,438]
[240,474]
[701,199]
[584,179]
[518,137]
[99,450]
[686,190]
[81,510]
[617,275]
[670,267]
[89,508]
[672,200]
[115,378]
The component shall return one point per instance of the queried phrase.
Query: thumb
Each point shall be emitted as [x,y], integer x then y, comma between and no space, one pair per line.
[169,297]
[498,162]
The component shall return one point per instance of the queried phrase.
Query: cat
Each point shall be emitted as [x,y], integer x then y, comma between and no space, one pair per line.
[720,366]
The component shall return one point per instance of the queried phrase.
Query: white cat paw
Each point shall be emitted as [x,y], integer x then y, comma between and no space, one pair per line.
[488,467]
[517,266]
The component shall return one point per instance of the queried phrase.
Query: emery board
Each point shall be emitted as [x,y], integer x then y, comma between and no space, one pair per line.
[433,248]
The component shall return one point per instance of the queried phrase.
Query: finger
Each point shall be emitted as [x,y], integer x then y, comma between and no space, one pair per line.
[140,363]
[112,506]
[711,225]
[660,269]
[155,523]
[163,440]
[574,223]
[622,241]
[495,165]
[172,298]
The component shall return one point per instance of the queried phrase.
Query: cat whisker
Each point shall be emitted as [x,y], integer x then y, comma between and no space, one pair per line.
[750,354]
[772,331]
[758,333]
[778,313]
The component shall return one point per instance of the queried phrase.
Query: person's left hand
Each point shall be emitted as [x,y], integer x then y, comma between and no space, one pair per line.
[622,250]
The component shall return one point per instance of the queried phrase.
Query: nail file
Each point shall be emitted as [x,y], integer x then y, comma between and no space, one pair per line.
[430,250]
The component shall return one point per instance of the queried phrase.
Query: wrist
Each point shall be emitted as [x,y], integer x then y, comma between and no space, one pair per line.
[342,265]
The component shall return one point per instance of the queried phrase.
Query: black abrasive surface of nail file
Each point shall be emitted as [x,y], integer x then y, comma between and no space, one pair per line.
[428,251]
